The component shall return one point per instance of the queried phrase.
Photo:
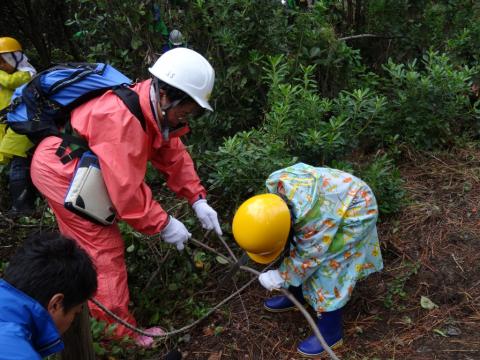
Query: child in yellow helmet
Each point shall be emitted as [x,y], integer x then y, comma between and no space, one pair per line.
[15,70]
[327,219]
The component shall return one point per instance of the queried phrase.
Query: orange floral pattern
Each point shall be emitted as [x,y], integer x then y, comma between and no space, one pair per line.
[336,242]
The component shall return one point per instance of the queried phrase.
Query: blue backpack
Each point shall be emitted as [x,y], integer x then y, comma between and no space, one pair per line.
[42,107]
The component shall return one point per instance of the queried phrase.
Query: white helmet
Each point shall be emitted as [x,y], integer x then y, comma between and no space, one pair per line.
[188,71]
[175,37]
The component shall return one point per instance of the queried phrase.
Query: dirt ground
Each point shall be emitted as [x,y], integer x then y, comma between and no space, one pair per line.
[430,249]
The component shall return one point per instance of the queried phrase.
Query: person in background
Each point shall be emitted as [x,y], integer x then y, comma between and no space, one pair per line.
[175,39]
[15,70]
[327,220]
[178,92]
[45,285]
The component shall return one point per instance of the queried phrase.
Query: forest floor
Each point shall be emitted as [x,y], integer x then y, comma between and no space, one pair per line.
[430,249]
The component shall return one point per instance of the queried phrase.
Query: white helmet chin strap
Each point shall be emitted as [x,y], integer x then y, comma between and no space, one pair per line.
[164,126]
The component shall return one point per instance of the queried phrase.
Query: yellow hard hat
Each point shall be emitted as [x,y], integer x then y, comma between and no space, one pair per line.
[8,44]
[261,226]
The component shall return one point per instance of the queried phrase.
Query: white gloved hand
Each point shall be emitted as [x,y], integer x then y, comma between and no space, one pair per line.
[271,280]
[207,216]
[175,233]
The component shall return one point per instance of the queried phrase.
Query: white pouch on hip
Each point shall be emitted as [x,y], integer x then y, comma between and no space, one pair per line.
[87,195]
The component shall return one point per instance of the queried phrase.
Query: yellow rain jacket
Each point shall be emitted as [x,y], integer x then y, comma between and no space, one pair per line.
[11,144]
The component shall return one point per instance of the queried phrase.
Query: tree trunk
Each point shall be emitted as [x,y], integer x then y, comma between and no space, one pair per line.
[35,34]
[360,7]
[349,14]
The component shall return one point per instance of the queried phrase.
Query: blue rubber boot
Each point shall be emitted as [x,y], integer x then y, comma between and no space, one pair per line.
[331,327]
[281,303]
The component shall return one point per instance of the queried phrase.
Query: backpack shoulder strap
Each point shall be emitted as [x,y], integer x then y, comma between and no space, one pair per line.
[132,101]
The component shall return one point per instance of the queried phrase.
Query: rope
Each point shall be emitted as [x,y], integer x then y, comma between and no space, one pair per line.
[287,293]
[173,332]
[304,312]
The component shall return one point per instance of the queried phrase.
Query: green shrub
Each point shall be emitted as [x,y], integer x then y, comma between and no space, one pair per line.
[363,110]
[428,105]
[312,40]
[235,35]
[121,32]
[410,28]
[315,129]
[242,164]
[460,46]
[240,37]
[384,179]
[299,124]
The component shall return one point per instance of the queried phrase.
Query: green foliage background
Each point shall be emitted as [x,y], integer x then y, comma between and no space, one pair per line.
[292,84]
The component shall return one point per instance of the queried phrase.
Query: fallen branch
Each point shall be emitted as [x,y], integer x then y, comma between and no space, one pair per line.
[206,247]
[230,251]
[361,36]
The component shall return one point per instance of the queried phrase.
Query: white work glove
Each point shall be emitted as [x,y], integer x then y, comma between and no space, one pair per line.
[271,280]
[175,233]
[207,216]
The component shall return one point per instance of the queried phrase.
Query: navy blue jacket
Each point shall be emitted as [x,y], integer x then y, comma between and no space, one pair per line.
[27,330]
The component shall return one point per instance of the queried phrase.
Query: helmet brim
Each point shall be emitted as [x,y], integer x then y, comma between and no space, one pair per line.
[202,103]
[265,259]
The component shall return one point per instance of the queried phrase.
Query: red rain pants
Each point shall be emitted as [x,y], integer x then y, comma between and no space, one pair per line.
[104,244]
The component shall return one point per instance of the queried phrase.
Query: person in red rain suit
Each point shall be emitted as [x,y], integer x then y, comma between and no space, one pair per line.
[179,90]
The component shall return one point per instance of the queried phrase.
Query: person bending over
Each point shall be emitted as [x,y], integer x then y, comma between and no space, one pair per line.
[326,218]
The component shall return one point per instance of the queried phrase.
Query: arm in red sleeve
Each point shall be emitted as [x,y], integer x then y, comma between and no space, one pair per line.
[173,160]
[121,145]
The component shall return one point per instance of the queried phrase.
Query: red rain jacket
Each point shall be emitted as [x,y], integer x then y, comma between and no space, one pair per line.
[124,148]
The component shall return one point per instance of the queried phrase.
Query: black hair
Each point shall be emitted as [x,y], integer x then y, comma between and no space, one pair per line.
[48,264]
[173,93]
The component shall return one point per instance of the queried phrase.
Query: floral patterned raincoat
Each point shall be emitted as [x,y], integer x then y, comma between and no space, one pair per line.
[336,241]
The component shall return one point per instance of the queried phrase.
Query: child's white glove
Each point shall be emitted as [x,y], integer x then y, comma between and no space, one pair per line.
[271,280]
